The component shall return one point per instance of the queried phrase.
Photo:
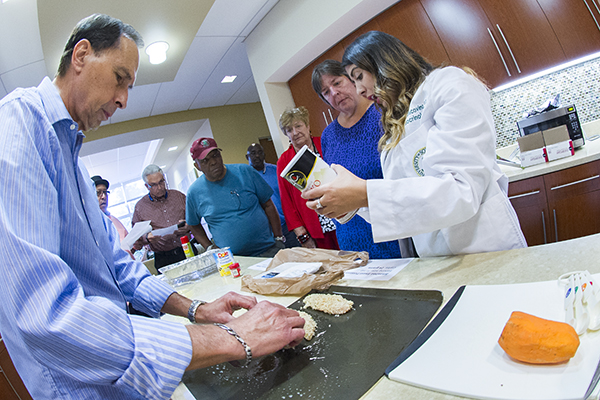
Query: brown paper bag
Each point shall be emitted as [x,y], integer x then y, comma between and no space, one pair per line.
[334,263]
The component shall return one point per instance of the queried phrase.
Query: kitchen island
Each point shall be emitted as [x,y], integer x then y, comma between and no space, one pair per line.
[446,274]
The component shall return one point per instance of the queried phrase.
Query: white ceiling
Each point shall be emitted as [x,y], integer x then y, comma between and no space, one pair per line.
[189,80]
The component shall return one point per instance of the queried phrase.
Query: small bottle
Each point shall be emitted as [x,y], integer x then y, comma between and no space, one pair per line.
[235,270]
[185,243]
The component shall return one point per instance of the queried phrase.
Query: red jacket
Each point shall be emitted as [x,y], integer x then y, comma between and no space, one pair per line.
[294,206]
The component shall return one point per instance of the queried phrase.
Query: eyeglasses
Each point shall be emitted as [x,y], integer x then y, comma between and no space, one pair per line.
[162,182]
[99,193]
[255,153]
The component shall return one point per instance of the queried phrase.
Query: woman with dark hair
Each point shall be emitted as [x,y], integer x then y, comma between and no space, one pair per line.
[351,140]
[442,188]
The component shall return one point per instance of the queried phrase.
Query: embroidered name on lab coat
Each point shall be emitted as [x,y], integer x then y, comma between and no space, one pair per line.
[412,114]
[418,162]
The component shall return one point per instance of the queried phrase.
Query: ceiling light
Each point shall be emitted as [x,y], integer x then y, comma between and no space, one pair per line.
[173,148]
[229,78]
[157,52]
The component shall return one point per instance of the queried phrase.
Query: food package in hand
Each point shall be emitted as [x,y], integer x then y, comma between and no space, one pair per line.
[307,171]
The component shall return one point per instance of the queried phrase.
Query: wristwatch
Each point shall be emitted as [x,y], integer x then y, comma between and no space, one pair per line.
[280,238]
[193,308]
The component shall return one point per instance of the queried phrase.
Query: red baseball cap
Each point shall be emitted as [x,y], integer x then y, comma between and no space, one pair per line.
[201,147]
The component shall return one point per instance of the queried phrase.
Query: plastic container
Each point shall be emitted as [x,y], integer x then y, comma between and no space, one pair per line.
[190,269]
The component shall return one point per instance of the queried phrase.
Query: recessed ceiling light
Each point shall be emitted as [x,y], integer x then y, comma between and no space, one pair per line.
[229,78]
[157,52]
[173,148]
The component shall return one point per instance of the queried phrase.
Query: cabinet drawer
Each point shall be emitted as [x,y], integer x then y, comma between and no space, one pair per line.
[573,181]
[527,193]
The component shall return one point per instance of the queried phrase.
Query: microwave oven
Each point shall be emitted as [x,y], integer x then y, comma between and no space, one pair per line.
[566,116]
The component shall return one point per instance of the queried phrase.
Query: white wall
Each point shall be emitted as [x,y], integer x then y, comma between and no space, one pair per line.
[181,173]
[290,37]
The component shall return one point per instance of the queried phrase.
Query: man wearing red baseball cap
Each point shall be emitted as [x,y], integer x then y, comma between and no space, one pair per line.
[235,202]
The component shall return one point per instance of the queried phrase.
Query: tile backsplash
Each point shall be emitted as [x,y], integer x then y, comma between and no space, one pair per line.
[579,85]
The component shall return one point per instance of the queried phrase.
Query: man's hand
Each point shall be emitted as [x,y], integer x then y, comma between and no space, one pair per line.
[182,229]
[344,194]
[153,239]
[221,310]
[268,327]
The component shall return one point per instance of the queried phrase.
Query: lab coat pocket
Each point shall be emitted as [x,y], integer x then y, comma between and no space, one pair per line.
[491,229]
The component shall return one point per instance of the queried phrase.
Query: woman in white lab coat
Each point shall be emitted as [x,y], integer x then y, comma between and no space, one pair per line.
[442,187]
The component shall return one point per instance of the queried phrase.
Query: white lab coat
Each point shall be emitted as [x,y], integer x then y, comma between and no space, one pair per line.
[442,185]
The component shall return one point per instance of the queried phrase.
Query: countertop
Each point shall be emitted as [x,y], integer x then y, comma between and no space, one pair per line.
[590,151]
[447,274]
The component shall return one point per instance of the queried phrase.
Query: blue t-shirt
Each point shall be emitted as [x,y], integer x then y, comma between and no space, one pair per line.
[355,148]
[270,175]
[232,209]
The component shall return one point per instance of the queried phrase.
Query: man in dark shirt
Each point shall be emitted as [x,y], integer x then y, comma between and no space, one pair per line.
[165,208]
[256,158]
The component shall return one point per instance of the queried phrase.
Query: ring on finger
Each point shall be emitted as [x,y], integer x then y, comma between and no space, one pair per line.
[319,205]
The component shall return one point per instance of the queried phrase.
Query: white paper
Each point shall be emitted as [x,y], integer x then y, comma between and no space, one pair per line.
[291,270]
[139,229]
[261,266]
[378,270]
[164,231]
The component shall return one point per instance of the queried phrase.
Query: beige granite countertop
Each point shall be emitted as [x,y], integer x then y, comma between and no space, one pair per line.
[447,274]
[590,151]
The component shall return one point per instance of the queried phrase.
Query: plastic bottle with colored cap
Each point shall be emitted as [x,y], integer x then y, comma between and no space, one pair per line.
[185,243]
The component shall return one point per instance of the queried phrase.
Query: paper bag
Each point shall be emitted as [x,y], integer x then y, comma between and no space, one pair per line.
[333,265]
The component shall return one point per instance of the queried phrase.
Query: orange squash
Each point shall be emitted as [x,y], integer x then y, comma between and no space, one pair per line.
[535,340]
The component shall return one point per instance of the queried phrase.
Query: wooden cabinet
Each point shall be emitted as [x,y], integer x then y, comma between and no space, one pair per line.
[558,206]
[11,385]
[528,198]
[574,201]
[500,40]
[576,24]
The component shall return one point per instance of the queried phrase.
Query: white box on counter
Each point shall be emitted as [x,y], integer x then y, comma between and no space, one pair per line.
[558,143]
[533,149]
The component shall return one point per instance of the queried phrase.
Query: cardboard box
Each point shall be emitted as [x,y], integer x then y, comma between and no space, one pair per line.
[558,143]
[533,149]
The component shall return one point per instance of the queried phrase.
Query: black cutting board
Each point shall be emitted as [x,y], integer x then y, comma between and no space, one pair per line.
[347,356]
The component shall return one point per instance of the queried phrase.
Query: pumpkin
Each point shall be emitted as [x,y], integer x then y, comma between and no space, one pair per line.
[535,340]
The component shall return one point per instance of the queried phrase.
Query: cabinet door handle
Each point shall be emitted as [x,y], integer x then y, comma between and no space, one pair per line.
[509,49]
[325,116]
[555,226]
[575,183]
[544,227]
[590,10]
[499,53]
[516,196]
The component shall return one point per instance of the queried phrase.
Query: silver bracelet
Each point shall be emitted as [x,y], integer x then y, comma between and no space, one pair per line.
[239,339]
[193,308]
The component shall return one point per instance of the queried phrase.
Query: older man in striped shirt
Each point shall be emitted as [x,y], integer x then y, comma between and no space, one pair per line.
[65,282]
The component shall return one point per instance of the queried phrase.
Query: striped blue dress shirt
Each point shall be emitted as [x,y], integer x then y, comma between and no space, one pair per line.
[64,281]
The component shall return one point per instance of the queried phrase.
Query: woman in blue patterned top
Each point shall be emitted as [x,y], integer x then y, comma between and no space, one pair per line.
[351,140]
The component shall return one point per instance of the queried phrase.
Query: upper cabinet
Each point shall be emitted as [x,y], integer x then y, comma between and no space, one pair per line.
[500,40]
[576,23]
